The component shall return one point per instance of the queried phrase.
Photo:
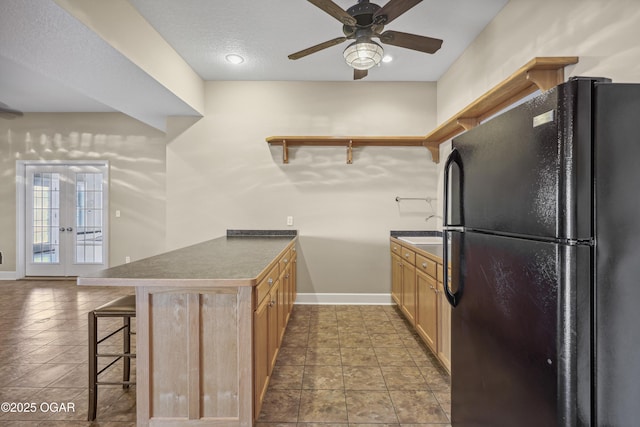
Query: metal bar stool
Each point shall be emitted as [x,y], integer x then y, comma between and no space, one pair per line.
[124,307]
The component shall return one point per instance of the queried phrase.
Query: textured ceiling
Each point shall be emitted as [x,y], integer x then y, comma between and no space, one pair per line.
[265,32]
[51,62]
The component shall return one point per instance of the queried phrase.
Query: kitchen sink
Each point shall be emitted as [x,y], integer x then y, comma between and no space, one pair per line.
[422,240]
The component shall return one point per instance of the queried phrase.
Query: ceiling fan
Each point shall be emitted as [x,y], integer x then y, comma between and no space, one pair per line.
[364,21]
[9,113]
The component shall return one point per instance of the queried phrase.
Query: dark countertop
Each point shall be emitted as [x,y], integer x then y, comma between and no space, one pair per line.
[232,260]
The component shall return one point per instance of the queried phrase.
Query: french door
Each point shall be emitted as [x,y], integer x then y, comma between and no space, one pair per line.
[66,229]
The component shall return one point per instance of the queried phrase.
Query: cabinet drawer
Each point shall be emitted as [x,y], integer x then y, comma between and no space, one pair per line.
[426,265]
[409,256]
[262,289]
[285,260]
[396,249]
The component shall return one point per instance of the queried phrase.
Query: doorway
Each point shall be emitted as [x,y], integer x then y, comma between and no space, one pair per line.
[65,218]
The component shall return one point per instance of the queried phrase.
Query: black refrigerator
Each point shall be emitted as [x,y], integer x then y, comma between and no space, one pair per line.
[542,233]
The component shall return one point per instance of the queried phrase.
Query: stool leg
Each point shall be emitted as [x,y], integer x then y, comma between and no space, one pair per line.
[93,366]
[127,349]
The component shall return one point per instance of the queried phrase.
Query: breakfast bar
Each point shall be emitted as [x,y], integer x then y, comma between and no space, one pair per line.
[197,363]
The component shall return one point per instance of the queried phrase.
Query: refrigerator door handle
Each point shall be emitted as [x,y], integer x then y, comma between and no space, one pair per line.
[454,158]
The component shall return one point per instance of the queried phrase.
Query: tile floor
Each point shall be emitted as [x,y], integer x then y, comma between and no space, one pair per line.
[360,366]
[339,366]
[43,356]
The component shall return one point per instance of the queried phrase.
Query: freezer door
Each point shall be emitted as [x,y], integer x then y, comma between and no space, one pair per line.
[507,367]
[527,171]
[617,293]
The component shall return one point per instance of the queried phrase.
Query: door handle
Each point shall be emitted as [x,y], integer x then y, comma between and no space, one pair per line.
[69,229]
[61,229]
[454,157]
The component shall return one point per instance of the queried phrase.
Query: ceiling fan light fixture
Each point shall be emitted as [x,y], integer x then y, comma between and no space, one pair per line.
[363,54]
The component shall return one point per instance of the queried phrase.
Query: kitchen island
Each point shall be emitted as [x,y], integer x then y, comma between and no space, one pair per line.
[199,350]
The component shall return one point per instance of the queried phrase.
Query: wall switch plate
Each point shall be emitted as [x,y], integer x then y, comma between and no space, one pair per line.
[117,213]
[127,259]
[289,220]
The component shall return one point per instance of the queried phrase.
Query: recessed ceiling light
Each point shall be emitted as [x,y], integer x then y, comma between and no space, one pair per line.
[387,58]
[234,59]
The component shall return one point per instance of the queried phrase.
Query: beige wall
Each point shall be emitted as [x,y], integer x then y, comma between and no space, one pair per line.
[604,34]
[221,174]
[136,154]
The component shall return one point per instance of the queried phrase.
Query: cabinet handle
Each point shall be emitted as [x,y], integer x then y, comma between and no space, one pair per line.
[286,276]
[286,260]
[272,303]
[424,265]
[432,287]
[406,256]
[270,281]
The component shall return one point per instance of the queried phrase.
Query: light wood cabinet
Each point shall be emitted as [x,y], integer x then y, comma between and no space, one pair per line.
[409,291]
[396,279]
[403,280]
[260,353]
[274,321]
[293,289]
[444,325]
[416,286]
[274,299]
[427,316]
[287,297]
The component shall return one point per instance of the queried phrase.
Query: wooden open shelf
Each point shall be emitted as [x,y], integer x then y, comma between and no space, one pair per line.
[541,73]
[343,141]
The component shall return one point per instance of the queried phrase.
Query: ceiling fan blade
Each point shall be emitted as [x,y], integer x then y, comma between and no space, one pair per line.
[334,10]
[317,48]
[392,10]
[411,41]
[9,113]
[359,74]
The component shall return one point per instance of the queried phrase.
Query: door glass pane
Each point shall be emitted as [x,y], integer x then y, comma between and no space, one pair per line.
[45,246]
[88,227]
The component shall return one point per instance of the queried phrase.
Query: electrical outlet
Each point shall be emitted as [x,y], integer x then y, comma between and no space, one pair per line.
[127,259]
[289,220]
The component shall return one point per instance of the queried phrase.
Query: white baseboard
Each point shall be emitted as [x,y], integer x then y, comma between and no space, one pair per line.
[8,275]
[345,299]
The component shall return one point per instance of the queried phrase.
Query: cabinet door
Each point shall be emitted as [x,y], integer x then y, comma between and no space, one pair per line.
[274,324]
[294,277]
[288,293]
[261,354]
[444,327]
[282,304]
[409,292]
[396,279]
[427,311]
